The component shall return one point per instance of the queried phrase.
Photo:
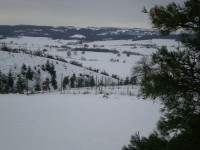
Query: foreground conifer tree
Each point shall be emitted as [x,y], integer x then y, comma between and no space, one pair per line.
[173,77]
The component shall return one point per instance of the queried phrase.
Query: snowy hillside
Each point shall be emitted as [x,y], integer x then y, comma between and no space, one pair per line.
[14,61]
[120,63]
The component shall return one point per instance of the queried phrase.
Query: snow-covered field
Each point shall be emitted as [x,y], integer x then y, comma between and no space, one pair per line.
[122,65]
[73,122]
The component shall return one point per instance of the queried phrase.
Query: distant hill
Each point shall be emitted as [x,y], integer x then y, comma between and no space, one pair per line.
[89,34]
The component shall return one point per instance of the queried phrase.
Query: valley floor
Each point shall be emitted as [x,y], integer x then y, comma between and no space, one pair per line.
[73,122]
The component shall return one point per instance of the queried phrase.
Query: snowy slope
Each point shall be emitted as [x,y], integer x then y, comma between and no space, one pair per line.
[14,62]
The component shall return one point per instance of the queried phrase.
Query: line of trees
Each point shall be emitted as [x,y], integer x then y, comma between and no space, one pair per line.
[30,80]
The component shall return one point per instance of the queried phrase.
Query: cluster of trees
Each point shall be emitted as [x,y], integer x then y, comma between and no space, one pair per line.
[50,67]
[173,77]
[133,80]
[6,82]
[18,83]
[12,83]
[78,81]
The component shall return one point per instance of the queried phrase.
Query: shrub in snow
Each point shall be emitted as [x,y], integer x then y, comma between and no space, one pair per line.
[105,95]
[104,73]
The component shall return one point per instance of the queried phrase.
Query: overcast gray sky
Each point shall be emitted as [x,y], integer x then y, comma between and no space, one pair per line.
[79,13]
